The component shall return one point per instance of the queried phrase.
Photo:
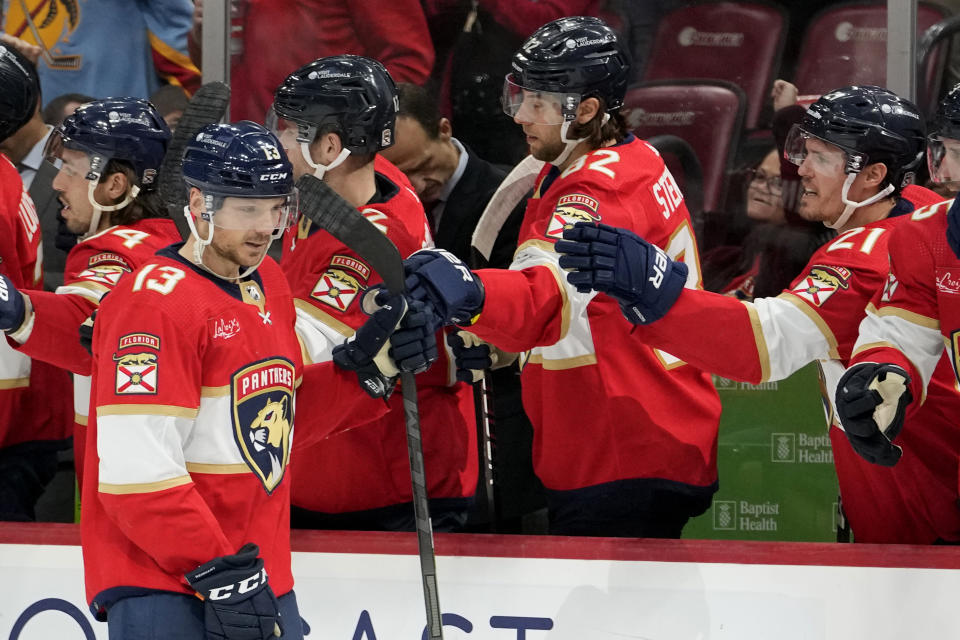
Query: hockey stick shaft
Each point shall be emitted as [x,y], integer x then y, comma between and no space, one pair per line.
[329,211]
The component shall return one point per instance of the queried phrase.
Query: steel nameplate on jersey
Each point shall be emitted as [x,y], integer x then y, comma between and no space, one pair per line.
[111,258]
[571,209]
[262,398]
[104,274]
[821,283]
[344,279]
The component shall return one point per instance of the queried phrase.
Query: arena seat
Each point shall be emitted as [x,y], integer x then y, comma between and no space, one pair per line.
[738,42]
[708,115]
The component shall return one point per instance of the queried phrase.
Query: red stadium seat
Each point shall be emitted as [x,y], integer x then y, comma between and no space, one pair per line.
[707,115]
[739,42]
[846,44]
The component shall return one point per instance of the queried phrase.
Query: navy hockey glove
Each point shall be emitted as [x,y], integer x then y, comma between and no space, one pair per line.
[238,602]
[953,227]
[871,402]
[471,356]
[395,338]
[86,332]
[623,265]
[452,292]
[12,307]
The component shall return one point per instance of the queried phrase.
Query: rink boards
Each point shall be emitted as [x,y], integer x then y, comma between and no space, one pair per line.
[366,586]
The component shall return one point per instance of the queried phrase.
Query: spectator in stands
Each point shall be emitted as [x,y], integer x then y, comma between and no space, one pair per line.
[108,47]
[57,109]
[279,35]
[170,100]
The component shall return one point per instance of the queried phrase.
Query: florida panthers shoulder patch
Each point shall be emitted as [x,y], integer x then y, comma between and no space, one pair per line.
[821,283]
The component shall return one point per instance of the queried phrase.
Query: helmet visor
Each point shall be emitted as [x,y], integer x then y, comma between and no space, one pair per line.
[538,107]
[803,148]
[271,215]
[943,160]
[280,127]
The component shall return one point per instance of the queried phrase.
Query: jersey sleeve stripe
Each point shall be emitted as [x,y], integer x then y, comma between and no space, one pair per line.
[817,319]
[922,346]
[146,410]
[324,318]
[146,487]
[215,392]
[910,316]
[141,450]
[762,352]
[89,290]
[219,469]
[534,253]
[564,363]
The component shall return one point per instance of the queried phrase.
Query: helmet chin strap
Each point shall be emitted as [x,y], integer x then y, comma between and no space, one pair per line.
[320,169]
[201,244]
[570,143]
[852,206]
[98,208]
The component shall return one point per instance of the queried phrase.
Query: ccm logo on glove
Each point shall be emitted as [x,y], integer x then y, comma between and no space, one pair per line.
[242,587]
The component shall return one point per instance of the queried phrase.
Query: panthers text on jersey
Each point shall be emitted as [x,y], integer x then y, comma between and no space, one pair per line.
[604,407]
[367,467]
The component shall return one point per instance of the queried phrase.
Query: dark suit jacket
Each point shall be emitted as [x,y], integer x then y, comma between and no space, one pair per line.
[48,206]
[464,207]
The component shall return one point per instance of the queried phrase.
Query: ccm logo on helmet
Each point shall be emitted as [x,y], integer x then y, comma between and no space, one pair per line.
[273,176]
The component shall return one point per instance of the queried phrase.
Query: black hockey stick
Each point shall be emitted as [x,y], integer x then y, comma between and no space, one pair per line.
[329,211]
[207,106]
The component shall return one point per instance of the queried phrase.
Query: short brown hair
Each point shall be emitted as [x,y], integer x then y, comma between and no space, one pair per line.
[147,204]
[596,132]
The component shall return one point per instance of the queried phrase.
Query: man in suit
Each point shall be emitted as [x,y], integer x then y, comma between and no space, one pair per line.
[454,184]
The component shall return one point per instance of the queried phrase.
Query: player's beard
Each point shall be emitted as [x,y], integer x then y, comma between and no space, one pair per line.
[240,253]
[547,151]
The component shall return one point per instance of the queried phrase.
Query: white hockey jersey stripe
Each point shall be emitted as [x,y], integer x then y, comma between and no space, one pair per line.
[138,451]
[920,342]
[792,335]
[575,347]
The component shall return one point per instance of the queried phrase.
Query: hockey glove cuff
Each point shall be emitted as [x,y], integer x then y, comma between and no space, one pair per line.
[471,356]
[238,602]
[452,292]
[13,309]
[871,403]
[643,279]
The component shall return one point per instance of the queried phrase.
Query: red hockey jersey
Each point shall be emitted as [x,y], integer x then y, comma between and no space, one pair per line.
[93,268]
[34,401]
[367,467]
[908,322]
[604,407]
[817,319]
[194,382]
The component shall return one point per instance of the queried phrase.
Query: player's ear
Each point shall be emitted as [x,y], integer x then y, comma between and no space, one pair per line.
[874,174]
[587,110]
[196,202]
[116,185]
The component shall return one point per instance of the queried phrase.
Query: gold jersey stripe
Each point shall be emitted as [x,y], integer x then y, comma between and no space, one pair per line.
[903,314]
[561,364]
[763,353]
[146,410]
[215,392]
[15,383]
[80,418]
[145,487]
[221,469]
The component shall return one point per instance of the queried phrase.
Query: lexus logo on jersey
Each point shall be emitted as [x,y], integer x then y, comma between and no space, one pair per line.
[571,209]
[341,282]
[821,283]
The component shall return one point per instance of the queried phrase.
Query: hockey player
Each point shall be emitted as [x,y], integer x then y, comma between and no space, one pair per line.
[943,144]
[625,436]
[110,151]
[196,363]
[34,423]
[333,116]
[857,150]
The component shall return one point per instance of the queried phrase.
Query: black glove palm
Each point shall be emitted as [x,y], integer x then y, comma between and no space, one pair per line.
[871,401]
[238,602]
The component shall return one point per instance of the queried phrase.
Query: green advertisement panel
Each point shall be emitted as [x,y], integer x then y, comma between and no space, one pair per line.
[777,480]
